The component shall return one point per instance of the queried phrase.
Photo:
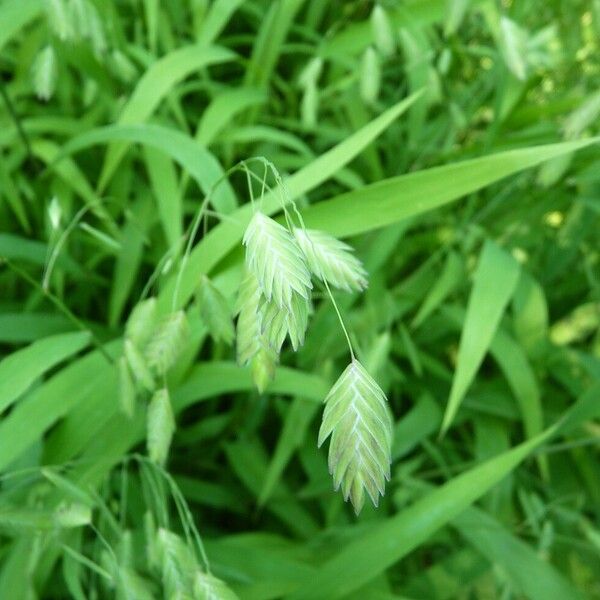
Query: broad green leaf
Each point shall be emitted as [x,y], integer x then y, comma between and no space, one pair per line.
[495,279]
[17,327]
[398,198]
[450,278]
[193,157]
[363,559]
[20,369]
[72,386]
[154,85]
[218,16]
[269,40]
[223,109]
[518,373]
[166,191]
[15,14]
[534,577]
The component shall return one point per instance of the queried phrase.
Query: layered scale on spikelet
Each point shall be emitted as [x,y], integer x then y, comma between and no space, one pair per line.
[252,344]
[357,418]
[331,260]
[274,257]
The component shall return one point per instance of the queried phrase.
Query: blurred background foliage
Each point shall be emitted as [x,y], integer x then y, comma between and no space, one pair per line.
[481,318]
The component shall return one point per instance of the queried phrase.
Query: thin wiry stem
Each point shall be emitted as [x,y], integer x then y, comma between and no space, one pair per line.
[339,314]
[59,244]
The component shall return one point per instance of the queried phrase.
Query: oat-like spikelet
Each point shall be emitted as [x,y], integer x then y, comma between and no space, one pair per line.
[160,426]
[331,260]
[45,73]
[167,342]
[215,311]
[357,418]
[253,346]
[142,322]
[279,323]
[137,364]
[274,257]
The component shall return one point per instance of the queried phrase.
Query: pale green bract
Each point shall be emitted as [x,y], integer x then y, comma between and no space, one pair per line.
[274,257]
[208,587]
[214,311]
[126,388]
[167,342]
[357,418]
[277,323]
[160,426]
[177,564]
[331,260]
[142,322]
[252,344]
[138,366]
[383,32]
[45,73]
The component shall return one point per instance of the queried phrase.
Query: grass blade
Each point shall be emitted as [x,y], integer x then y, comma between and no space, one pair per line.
[496,277]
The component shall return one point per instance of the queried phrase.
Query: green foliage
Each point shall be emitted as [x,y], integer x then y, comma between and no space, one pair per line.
[164,162]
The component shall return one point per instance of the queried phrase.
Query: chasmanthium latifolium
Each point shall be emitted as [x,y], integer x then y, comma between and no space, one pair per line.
[152,346]
[274,303]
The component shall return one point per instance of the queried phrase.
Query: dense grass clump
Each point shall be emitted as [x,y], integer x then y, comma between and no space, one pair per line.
[259,258]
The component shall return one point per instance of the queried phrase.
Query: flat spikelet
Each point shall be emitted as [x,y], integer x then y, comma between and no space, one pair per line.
[383,31]
[357,418]
[160,426]
[370,76]
[277,323]
[44,73]
[331,260]
[59,19]
[249,333]
[177,564]
[167,342]
[126,388]
[142,322]
[273,256]
[138,366]
[215,311]
[208,587]
[263,364]
[253,346]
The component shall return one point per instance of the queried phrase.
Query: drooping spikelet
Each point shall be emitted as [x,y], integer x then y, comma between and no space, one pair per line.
[370,76]
[331,260]
[126,388]
[276,261]
[160,426]
[208,587]
[278,323]
[383,31]
[215,311]
[142,322]
[167,342]
[357,418]
[44,73]
[138,366]
[253,346]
